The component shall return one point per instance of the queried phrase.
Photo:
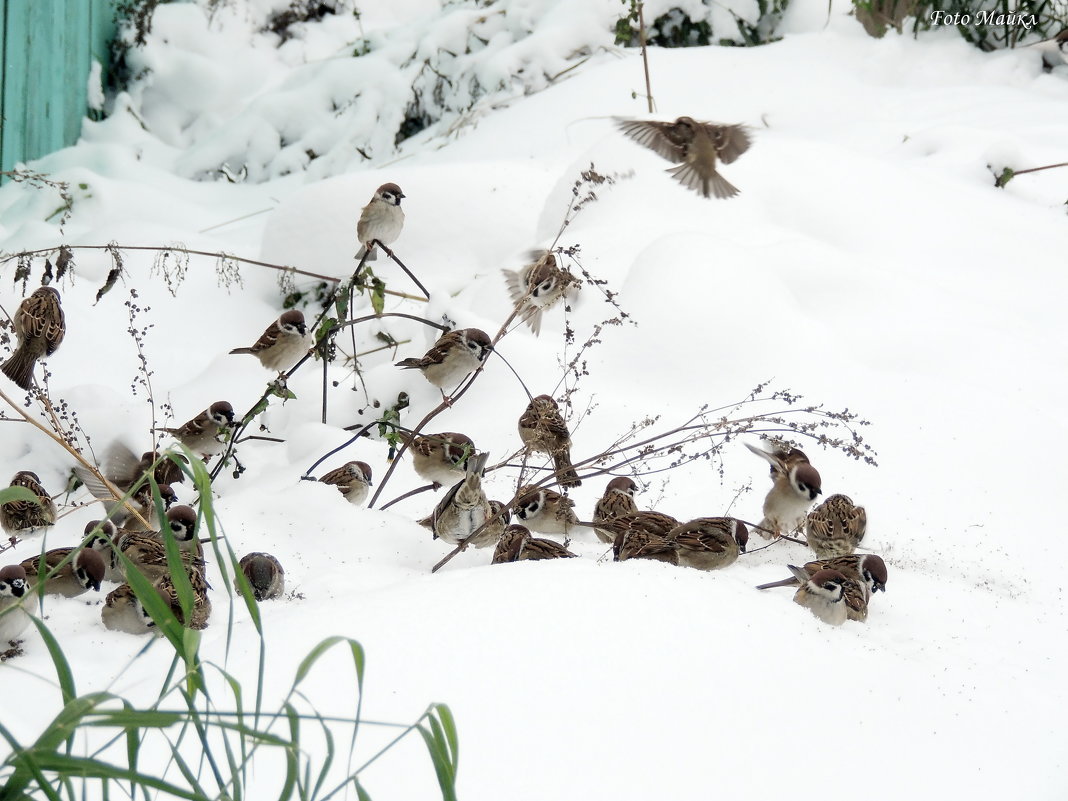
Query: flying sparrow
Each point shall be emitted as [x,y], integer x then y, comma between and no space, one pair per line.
[835,527]
[695,147]
[439,458]
[709,543]
[39,326]
[538,286]
[866,574]
[643,535]
[27,516]
[352,480]
[201,434]
[122,611]
[283,344]
[265,575]
[618,499]
[795,485]
[381,219]
[545,511]
[464,508]
[82,573]
[142,500]
[15,591]
[543,430]
[516,544]
[454,356]
[823,594]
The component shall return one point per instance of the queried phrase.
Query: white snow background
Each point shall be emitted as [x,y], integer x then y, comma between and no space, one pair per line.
[869,263]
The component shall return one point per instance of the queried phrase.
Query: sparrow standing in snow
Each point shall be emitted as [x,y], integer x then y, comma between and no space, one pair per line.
[643,535]
[454,356]
[201,434]
[265,575]
[835,527]
[439,458]
[695,147]
[104,543]
[618,499]
[40,327]
[545,511]
[122,611]
[516,544]
[14,591]
[201,609]
[382,219]
[352,480]
[148,550]
[27,516]
[82,573]
[283,344]
[795,485]
[538,286]
[866,575]
[709,543]
[823,594]
[543,430]
[464,508]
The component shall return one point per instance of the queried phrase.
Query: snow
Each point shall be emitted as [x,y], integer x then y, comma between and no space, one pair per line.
[869,263]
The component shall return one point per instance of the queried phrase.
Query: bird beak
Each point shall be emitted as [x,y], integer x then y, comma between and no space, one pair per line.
[878,586]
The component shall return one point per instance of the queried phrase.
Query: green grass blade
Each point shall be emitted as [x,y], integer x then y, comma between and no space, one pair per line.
[59,661]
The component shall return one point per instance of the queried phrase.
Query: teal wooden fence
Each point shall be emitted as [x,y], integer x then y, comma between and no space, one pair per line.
[46,48]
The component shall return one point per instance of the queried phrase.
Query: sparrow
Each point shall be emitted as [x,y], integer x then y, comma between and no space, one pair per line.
[545,511]
[104,542]
[283,344]
[543,430]
[265,575]
[709,543]
[823,594]
[381,219]
[142,500]
[122,611]
[351,479]
[795,485]
[516,544]
[201,609]
[835,527]
[26,516]
[439,458]
[147,551]
[454,356]
[463,509]
[618,499]
[695,147]
[39,327]
[15,592]
[82,573]
[201,434]
[866,574]
[643,535]
[123,469]
[538,286]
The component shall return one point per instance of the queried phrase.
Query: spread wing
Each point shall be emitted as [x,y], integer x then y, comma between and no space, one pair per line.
[660,137]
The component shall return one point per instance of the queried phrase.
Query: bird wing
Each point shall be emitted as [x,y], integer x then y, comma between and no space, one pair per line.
[659,137]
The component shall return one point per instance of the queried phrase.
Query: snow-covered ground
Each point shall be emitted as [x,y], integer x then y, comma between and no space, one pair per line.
[869,263]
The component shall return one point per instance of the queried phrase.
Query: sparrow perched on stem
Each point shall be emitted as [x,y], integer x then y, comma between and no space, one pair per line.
[543,430]
[823,594]
[39,327]
[26,516]
[538,286]
[440,458]
[516,544]
[122,611]
[382,219]
[545,511]
[643,535]
[82,573]
[866,574]
[618,499]
[265,575]
[454,356]
[709,543]
[795,485]
[835,527]
[283,344]
[201,434]
[463,509]
[352,480]
[15,591]
[695,147]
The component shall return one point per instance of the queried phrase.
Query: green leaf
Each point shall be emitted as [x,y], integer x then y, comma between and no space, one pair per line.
[59,661]
[9,494]
[378,294]
[1006,175]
